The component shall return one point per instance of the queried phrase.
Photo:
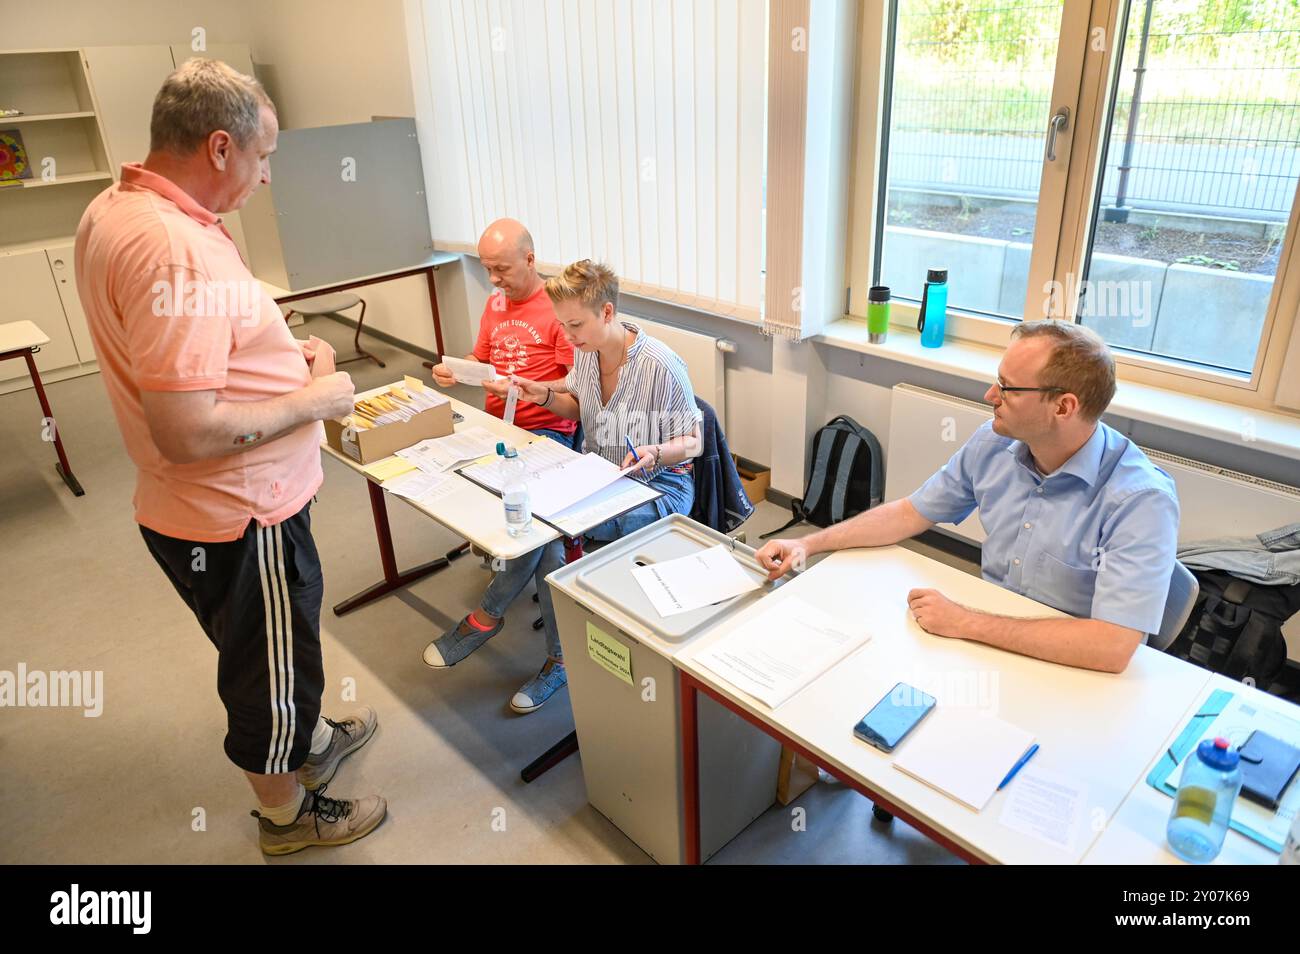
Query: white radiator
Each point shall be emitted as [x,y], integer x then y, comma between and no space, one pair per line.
[703,355]
[926,428]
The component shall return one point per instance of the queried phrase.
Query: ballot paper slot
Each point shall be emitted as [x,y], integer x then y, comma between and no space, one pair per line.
[679,537]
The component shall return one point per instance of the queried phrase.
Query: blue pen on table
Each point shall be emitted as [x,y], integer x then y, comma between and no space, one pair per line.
[632,450]
[1018,766]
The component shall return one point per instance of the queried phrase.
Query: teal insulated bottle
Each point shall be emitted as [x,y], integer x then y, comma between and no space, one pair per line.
[934,307]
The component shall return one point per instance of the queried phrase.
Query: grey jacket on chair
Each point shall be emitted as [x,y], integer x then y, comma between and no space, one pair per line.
[1271,558]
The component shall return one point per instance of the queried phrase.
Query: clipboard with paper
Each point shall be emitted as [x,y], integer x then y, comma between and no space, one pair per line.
[571,492]
[1226,714]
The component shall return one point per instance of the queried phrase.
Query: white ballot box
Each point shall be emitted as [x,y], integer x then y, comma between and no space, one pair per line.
[624,691]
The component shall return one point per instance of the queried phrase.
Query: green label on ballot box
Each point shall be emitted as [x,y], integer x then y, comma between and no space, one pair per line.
[609,653]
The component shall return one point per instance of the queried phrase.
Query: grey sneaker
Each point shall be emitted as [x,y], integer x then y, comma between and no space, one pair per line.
[457,643]
[322,821]
[349,735]
[534,693]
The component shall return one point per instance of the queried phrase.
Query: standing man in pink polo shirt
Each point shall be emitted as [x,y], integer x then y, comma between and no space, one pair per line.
[220,413]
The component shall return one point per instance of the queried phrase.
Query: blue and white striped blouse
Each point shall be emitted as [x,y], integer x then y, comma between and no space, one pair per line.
[652,403]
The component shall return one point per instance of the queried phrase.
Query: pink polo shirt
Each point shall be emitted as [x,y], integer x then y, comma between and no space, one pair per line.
[172,307]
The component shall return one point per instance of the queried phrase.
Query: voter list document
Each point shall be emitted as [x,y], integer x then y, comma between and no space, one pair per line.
[776,653]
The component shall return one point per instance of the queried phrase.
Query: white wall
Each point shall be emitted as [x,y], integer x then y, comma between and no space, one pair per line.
[328,62]
[73,23]
[324,62]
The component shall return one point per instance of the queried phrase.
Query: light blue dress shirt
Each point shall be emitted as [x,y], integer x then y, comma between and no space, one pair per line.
[1096,538]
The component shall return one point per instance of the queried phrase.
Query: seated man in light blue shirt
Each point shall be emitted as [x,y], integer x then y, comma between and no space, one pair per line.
[1076,516]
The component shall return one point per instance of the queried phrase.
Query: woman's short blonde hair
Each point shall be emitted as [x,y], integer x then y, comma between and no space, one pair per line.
[589,283]
[201,97]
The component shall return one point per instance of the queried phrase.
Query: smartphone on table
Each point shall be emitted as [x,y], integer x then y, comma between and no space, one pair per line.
[894,716]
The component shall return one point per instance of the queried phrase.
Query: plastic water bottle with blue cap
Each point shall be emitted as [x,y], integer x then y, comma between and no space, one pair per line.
[1203,806]
[514,491]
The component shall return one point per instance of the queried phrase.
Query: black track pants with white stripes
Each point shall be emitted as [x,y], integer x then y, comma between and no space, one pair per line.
[258,599]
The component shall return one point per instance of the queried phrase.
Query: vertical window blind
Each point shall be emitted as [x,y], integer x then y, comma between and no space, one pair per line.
[628,131]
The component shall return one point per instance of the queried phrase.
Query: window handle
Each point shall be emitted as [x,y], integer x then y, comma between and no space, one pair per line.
[1057,124]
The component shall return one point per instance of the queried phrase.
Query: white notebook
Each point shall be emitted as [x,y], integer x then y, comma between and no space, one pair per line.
[963,754]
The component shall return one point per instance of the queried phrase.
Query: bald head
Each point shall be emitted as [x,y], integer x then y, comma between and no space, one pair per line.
[506,251]
[505,235]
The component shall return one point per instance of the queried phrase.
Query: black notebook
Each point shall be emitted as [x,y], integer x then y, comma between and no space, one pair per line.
[1267,766]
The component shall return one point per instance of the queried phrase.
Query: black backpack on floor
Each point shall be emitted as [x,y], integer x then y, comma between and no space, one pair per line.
[1235,629]
[846,477]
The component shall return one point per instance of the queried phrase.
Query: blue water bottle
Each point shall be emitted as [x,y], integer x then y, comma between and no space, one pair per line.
[934,307]
[1203,805]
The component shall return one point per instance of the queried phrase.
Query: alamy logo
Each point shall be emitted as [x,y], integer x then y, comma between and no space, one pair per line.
[103,907]
[75,689]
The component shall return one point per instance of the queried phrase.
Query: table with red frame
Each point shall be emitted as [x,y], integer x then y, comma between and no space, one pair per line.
[23,339]
[1096,731]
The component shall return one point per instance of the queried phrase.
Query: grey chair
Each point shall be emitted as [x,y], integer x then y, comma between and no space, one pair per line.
[1183,590]
[333,304]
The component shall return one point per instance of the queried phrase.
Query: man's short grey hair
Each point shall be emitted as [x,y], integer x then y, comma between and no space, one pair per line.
[201,97]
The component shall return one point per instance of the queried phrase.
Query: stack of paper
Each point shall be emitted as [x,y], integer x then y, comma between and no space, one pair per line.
[401,402]
[690,582]
[963,754]
[773,656]
[618,498]
[555,489]
[436,455]
[386,468]
[539,456]
[423,487]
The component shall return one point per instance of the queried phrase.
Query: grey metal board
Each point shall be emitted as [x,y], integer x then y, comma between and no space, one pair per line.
[333,228]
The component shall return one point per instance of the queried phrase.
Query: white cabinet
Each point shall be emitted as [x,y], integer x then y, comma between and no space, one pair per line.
[65,282]
[89,110]
[32,294]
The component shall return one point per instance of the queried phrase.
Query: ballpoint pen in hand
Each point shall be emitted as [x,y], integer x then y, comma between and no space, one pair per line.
[632,450]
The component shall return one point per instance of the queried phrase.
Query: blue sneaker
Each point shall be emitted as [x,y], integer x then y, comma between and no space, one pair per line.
[457,643]
[534,693]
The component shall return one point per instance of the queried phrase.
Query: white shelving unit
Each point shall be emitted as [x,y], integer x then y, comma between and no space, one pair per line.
[65,147]
[85,112]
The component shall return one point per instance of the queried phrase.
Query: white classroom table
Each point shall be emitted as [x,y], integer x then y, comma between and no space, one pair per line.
[1136,835]
[470,511]
[1099,730]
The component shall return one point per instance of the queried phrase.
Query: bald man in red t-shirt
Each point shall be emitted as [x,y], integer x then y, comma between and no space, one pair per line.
[518,334]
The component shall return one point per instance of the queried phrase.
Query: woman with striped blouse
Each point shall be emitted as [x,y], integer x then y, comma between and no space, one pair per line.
[624,385]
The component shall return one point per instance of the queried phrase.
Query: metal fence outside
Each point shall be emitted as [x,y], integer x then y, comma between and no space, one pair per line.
[1206,121]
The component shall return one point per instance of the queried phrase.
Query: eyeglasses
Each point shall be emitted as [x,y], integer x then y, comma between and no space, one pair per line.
[1004,389]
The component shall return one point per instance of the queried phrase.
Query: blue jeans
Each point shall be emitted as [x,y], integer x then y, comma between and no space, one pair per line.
[508,582]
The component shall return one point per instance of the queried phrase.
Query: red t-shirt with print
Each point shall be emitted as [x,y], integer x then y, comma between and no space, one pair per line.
[524,338]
